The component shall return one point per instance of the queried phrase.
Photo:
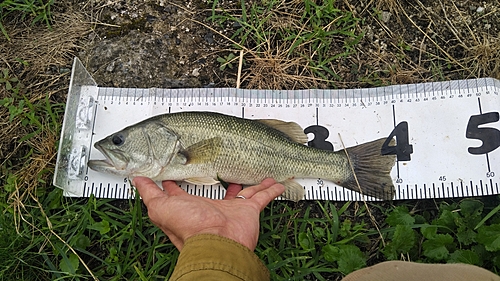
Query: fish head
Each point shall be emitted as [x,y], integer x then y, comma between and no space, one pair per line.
[143,149]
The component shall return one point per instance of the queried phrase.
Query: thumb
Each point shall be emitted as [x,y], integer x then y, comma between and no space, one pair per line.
[147,188]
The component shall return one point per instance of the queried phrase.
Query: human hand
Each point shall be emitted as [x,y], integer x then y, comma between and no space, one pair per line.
[181,215]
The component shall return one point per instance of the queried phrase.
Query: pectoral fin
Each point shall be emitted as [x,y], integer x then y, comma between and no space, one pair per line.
[202,181]
[290,129]
[293,190]
[203,152]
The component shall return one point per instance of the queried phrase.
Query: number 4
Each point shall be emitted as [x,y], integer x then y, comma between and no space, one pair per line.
[403,148]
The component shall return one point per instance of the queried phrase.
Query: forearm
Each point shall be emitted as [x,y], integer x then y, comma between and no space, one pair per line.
[213,257]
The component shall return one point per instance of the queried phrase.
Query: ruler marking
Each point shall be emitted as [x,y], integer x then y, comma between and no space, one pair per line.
[394,124]
[107,190]
[85,189]
[488,162]
[487,155]
[123,192]
[99,191]
[491,185]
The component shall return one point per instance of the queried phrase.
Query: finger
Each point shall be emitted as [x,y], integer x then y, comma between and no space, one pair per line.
[250,191]
[265,196]
[232,190]
[172,189]
[147,188]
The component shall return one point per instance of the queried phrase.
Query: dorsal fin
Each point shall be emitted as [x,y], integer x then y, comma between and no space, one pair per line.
[290,129]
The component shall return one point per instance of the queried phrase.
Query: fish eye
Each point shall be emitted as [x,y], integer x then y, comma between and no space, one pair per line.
[118,139]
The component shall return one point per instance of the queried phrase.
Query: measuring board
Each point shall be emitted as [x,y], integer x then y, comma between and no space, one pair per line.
[447,133]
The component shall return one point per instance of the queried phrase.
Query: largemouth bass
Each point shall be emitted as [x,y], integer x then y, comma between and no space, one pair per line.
[205,147]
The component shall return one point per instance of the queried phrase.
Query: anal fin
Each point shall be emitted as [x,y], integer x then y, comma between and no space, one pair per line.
[202,181]
[293,190]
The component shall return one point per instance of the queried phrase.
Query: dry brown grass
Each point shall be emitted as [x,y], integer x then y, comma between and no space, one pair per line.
[40,47]
[36,55]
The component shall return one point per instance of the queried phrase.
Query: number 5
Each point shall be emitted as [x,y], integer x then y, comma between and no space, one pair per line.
[489,136]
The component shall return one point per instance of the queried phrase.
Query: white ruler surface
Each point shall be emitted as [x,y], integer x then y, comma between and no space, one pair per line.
[447,133]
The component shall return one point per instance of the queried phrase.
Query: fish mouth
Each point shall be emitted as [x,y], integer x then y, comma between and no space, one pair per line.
[106,164]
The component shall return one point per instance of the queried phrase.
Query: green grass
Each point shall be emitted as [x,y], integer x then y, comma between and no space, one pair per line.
[318,240]
[36,10]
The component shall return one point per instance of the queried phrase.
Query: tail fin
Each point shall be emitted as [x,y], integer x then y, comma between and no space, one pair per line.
[372,170]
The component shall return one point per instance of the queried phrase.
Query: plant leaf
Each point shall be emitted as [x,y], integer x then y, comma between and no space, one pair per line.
[102,227]
[348,257]
[471,208]
[70,264]
[400,215]
[464,256]
[466,236]
[435,248]
[489,236]
[402,242]
[305,241]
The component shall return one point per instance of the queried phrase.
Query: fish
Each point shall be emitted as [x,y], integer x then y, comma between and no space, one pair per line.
[206,148]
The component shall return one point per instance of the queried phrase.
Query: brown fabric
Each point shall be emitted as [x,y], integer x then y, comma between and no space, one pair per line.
[212,257]
[410,271]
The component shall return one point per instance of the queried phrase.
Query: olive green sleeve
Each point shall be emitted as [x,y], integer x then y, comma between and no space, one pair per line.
[213,257]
